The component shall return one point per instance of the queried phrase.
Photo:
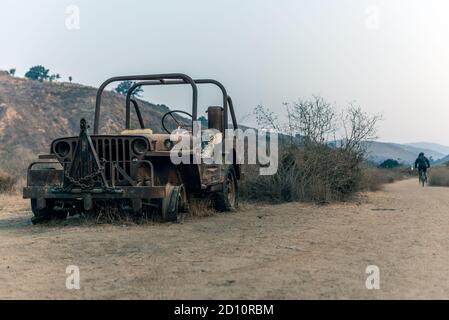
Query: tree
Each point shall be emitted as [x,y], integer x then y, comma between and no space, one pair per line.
[359,128]
[123,88]
[54,77]
[266,119]
[313,119]
[203,121]
[389,164]
[12,72]
[38,73]
[70,78]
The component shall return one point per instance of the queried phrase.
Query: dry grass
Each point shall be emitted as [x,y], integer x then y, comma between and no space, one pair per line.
[201,207]
[114,215]
[439,177]
[317,173]
[374,178]
[7,183]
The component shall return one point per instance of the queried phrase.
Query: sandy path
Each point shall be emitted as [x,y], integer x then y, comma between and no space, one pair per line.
[287,251]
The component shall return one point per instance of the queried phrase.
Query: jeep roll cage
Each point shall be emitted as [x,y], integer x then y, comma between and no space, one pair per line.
[227,101]
[163,79]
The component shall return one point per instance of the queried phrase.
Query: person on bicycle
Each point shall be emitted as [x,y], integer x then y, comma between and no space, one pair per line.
[422,163]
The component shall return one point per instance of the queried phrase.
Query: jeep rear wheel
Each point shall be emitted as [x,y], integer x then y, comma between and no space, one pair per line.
[228,198]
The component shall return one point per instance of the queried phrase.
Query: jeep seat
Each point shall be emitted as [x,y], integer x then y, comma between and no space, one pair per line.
[148,133]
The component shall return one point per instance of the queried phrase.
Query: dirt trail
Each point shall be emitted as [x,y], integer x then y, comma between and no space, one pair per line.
[262,252]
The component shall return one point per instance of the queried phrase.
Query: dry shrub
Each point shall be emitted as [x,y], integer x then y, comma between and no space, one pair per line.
[374,178]
[21,182]
[314,165]
[313,173]
[200,207]
[439,177]
[113,215]
[319,174]
[7,183]
[13,173]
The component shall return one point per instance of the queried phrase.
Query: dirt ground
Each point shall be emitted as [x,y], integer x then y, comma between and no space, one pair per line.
[289,251]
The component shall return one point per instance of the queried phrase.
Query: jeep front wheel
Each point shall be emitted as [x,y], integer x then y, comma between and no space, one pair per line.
[45,214]
[174,203]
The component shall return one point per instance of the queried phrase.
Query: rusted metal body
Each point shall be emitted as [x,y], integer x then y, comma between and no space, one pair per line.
[132,170]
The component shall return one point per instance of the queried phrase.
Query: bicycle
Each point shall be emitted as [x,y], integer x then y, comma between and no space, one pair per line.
[422,177]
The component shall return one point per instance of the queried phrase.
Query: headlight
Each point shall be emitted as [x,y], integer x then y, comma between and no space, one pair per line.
[140,146]
[168,144]
[62,149]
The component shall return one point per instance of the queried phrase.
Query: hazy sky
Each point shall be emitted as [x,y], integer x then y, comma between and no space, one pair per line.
[391,56]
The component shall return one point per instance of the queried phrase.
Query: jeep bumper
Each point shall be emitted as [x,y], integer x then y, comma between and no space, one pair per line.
[135,194]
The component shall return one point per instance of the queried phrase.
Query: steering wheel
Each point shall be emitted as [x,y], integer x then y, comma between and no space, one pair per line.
[170,113]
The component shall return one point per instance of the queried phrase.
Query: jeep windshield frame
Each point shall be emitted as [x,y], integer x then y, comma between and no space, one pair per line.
[228,105]
[161,79]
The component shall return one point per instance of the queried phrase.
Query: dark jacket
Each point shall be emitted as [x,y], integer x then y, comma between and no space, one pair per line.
[422,163]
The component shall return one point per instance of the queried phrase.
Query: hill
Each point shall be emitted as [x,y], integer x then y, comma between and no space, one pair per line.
[430,146]
[381,151]
[431,153]
[441,161]
[33,113]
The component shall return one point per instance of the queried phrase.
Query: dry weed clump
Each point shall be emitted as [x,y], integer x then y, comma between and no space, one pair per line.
[314,165]
[7,183]
[439,177]
[374,179]
[318,173]
[201,207]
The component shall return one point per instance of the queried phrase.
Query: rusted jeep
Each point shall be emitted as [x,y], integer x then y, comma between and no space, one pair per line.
[133,171]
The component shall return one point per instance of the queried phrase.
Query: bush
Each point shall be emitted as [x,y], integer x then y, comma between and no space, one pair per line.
[313,173]
[374,178]
[123,88]
[321,174]
[439,177]
[389,164]
[39,73]
[311,166]
[7,183]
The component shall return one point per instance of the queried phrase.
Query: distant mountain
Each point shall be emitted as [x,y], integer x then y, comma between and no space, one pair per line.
[381,151]
[429,152]
[430,146]
[442,161]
